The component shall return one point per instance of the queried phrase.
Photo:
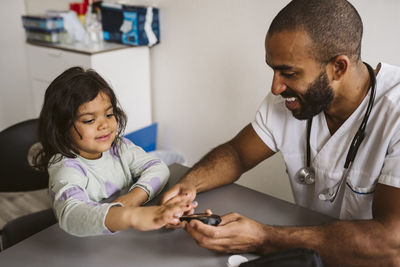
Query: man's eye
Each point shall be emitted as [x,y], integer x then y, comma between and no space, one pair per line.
[288,74]
[88,121]
[110,115]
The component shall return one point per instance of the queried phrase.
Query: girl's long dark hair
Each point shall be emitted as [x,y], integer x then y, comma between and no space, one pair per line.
[63,97]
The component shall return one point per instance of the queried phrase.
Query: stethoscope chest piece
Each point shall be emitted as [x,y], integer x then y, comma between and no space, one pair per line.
[305,175]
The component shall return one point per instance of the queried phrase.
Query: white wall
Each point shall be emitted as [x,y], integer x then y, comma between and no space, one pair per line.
[40,6]
[208,73]
[14,90]
[209,77]
[381,30]
[15,95]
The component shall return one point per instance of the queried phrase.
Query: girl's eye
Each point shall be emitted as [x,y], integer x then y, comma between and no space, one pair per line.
[88,121]
[110,115]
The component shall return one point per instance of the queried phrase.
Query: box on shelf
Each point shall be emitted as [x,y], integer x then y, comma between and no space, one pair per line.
[47,29]
[42,23]
[53,37]
[130,25]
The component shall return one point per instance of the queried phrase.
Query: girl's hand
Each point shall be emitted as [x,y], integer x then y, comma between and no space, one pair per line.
[182,190]
[155,217]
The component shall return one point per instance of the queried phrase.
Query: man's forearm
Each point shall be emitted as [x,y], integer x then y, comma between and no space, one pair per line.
[220,166]
[343,243]
[227,162]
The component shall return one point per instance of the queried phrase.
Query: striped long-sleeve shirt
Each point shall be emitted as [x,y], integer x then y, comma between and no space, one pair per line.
[77,185]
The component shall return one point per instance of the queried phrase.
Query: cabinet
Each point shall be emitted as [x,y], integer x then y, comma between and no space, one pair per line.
[126,69]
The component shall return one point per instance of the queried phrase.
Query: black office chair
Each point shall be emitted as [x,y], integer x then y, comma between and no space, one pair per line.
[16,175]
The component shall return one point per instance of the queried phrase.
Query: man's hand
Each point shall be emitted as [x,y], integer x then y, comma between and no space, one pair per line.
[183,188]
[235,234]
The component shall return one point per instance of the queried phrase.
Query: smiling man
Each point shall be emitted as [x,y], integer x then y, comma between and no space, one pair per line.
[332,113]
[290,65]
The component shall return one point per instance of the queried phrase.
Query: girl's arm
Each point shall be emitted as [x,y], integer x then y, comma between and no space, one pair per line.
[134,198]
[147,218]
[151,172]
[77,214]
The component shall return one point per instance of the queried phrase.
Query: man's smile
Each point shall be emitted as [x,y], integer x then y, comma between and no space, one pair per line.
[291,102]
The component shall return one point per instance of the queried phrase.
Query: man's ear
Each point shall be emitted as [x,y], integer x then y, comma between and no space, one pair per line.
[339,66]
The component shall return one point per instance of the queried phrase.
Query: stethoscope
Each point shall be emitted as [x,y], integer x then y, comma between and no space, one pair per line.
[306,175]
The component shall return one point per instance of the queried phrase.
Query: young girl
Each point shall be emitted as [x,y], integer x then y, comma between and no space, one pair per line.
[80,128]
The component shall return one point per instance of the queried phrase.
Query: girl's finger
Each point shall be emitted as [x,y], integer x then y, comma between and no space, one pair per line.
[170,194]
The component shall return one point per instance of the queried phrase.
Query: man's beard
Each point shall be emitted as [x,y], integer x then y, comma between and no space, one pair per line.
[317,98]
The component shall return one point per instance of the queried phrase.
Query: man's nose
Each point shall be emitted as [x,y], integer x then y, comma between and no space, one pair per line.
[278,86]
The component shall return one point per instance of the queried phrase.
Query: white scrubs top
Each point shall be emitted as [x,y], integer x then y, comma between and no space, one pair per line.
[377,159]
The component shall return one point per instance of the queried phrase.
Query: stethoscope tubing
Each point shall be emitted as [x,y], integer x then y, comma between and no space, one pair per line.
[354,146]
[359,137]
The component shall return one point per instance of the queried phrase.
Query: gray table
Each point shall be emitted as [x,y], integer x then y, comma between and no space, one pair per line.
[54,247]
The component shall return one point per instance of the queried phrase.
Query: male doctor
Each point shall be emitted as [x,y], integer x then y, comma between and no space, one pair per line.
[323,97]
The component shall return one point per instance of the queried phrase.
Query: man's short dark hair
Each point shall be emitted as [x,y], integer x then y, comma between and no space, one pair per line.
[334,26]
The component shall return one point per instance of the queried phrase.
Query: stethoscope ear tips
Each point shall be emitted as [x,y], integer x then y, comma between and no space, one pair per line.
[330,195]
[322,197]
